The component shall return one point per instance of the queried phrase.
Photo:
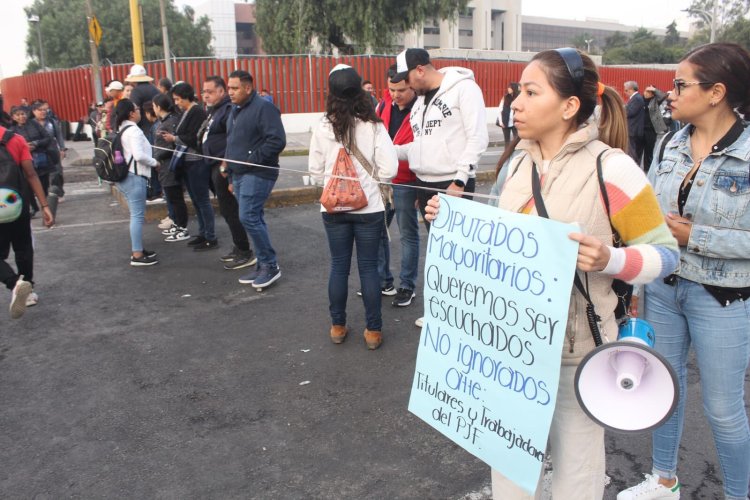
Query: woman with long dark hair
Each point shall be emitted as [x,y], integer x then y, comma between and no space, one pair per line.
[167,120]
[703,186]
[559,146]
[350,122]
[137,153]
[196,171]
[505,114]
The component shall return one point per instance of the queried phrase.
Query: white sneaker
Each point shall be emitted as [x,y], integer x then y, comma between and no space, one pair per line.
[32,299]
[165,223]
[650,489]
[20,294]
[419,322]
[180,235]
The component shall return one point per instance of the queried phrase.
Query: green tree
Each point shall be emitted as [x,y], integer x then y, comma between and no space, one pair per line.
[65,32]
[349,25]
[672,37]
[579,41]
[616,40]
[738,32]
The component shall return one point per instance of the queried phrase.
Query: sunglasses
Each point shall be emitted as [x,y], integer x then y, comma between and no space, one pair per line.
[681,84]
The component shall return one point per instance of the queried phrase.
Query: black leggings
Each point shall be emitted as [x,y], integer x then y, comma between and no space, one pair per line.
[176,197]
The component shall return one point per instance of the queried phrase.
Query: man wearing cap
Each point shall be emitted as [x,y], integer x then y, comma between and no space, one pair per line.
[143,91]
[394,110]
[255,138]
[449,126]
[114,89]
[448,122]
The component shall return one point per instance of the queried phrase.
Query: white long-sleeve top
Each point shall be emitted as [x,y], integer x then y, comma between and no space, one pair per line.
[373,141]
[136,146]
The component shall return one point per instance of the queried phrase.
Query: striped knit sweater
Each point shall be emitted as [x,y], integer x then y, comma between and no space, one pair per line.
[635,214]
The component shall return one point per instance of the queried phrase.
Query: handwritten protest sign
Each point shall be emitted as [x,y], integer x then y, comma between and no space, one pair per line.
[496,295]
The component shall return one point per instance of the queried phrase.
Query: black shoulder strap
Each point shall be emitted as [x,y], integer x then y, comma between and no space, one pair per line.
[541,209]
[663,144]
[7,136]
[118,143]
[617,240]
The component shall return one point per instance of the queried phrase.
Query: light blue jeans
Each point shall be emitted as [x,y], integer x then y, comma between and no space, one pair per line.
[404,199]
[134,188]
[687,314]
[252,192]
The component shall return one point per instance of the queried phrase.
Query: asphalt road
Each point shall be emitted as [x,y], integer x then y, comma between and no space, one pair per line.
[177,382]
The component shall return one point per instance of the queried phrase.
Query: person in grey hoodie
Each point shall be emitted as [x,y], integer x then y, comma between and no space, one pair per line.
[449,124]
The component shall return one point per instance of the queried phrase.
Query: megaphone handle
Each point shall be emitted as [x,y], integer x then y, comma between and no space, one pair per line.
[594,321]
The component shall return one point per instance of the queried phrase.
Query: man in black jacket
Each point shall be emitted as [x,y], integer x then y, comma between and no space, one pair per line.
[636,111]
[255,137]
[213,136]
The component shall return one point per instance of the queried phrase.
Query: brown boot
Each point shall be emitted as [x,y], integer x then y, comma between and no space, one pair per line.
[338,333]
[373,339]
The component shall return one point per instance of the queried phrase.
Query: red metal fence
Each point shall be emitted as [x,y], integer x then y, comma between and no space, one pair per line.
[297,83]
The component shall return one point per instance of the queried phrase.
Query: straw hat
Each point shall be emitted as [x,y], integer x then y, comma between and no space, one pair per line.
[138,74]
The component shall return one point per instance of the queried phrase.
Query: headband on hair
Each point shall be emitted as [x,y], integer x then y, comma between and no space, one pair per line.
[573,61]
[600,89]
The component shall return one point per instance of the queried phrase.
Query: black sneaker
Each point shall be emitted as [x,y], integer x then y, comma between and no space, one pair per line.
[231,255]
[149,253]
[206,245]
[144,260]
[403,297]
[196,240]
[241,262]
[386,290]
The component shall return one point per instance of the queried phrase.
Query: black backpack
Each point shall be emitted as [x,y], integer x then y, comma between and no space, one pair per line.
[14,199]
[111,166]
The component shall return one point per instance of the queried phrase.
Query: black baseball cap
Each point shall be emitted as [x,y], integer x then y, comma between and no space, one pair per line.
[409,60]
[344,81]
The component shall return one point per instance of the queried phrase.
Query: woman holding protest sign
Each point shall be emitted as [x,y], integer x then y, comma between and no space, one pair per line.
[703,189]
[553,171]
[351,132]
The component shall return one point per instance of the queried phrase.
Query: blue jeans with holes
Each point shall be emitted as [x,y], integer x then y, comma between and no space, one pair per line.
[343,232]
[134,188]
[686,314]
[252,192]
[404,199]
[198,177]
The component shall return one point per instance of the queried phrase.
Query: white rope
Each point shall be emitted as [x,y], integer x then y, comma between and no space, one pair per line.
[303,172]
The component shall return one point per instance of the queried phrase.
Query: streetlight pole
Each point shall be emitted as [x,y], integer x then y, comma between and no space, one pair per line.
[96,80]
[588,45]
[710,17]
[35,19]
[165,38]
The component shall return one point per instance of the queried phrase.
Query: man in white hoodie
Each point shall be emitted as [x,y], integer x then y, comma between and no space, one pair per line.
[449,125]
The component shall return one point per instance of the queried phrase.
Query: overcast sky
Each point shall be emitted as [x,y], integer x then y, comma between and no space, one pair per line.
[648,13]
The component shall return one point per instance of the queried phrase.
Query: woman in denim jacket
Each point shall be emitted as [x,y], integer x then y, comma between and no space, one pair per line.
[703,187]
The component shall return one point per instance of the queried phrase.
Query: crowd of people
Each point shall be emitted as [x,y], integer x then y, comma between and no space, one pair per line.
[676,222]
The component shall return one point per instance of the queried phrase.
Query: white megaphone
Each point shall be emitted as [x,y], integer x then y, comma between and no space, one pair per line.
[625,385]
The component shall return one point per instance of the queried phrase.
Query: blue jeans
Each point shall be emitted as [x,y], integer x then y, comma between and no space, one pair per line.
[384,252]
[134,188]
[404,198]
[343,231]
[687,314]
[198,176]
[252,192]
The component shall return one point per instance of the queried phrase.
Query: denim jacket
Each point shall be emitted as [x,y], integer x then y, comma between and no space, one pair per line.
[718,250]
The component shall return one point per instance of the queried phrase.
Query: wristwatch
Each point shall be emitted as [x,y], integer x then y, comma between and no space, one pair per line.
[459,183]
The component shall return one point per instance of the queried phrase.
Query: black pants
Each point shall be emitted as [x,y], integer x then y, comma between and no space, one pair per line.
[44,180]
[18,235]
[423,195]
[649,143]
[229,209]
[176,197]
[507,133]
[635,149]
[56,179]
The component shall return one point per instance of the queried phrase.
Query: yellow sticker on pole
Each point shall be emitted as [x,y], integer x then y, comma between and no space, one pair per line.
[95,30]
